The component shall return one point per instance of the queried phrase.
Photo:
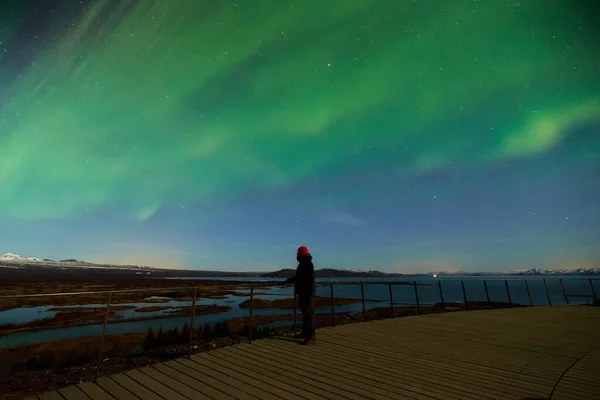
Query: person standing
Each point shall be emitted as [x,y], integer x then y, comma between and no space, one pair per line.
[304,287]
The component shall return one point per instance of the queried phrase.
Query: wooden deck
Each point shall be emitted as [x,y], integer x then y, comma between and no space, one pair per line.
[521,353]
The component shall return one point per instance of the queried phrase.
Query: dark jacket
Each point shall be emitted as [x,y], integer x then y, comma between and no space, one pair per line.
[304,281]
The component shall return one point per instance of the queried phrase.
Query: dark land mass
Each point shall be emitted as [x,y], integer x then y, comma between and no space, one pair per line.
[199,310]
[75,267]
[39,281]
[152,309]
[88,309]
[331,273]
[82,318]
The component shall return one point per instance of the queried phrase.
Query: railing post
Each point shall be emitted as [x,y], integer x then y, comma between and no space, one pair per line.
[332,306]
[362,296]
[593,290]
[564,292]
[251,313]
[462,283]
[441,295]
[417,298]
[547,292]
[508,292]
[487,294]
[192,318]
[528,292]
[106,312]
[391,300]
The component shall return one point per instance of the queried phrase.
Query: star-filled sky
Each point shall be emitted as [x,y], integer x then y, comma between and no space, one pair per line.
[400,135]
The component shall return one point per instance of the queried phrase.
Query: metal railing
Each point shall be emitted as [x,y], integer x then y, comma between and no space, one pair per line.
[251,286]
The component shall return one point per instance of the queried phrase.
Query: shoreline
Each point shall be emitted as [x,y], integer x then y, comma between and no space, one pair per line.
[83,316]
[126,290]
[76,321]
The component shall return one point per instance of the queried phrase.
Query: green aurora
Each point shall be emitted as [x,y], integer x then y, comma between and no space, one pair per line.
[174,101]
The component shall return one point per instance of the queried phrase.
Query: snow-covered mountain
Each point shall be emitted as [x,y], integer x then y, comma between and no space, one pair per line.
[12,260]
[528,272]
[16,258]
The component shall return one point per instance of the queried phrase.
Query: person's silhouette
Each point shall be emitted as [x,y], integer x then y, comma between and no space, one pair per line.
[304,286]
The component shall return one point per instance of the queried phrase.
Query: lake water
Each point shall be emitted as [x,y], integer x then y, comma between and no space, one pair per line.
[376,295]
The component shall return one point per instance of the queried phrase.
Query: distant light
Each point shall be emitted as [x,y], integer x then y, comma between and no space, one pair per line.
[434,275]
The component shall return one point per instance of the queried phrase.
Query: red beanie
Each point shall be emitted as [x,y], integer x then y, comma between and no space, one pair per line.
[302,251]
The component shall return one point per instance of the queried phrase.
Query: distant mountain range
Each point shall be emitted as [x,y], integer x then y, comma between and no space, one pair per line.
[528,272]
[15,261]
[11,260]
[330,273]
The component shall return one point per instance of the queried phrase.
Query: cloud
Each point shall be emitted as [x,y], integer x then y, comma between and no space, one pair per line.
[343,218]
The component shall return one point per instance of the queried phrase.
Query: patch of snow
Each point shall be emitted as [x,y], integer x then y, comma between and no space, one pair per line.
[16,257]
[527,272]
[12,260]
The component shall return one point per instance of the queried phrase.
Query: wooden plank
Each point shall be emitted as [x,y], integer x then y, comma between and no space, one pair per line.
[359,359]
[466,352]
[210,362]
[369,376]
[215,383]
[114,389]
[134,387]
[416,385]
[304,384]
[379,371]
[260,374]
[494,323]
[94,392]
[455,353]
[73,393]
[591,382]
[173,384]
[483,370]
[454,360]
[429,337]
[191,382]
[580,390]
[526,329]
[340,384]
[547,344]
[50,396]
[227,380]
[573,395]
[419,328]
[446,332]
[154,386]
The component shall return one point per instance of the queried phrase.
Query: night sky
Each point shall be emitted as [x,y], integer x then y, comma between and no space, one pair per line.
[396,135]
